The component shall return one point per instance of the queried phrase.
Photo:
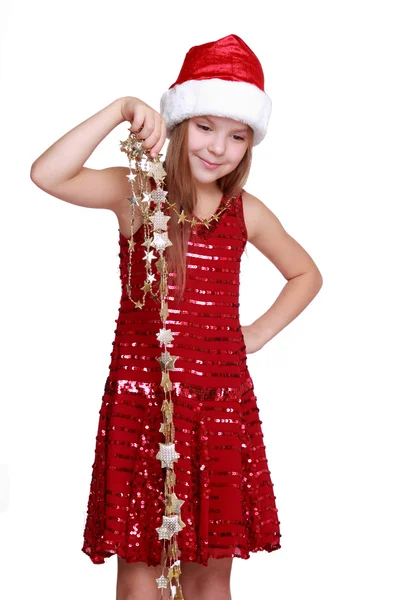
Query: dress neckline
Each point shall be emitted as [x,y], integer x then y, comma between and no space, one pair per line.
[220,205]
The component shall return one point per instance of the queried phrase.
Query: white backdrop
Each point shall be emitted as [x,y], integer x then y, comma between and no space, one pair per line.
[326,385]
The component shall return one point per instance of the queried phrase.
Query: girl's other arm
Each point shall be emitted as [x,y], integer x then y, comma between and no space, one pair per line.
[59,171]
[304,279]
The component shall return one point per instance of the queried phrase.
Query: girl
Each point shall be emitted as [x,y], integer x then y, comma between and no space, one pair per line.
[214,114]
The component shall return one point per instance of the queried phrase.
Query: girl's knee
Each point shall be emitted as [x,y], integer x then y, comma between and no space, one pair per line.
[210,582]
[213,589]
[136,581]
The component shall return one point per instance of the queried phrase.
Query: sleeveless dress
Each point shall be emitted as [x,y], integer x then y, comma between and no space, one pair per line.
[222,473]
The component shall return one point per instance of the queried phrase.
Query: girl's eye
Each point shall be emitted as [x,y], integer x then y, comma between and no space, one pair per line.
[204,127]
[239,138]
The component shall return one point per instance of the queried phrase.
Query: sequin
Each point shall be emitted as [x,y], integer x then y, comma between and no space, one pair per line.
[222,473]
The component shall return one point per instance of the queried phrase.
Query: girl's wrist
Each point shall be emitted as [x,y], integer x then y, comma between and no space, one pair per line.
[259,335]
[121,103]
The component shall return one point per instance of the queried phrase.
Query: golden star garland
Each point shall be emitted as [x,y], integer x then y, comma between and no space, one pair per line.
[144,167]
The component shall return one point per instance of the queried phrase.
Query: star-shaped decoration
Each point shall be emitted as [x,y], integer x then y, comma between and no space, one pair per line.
[159,220]
[146,287]
[162,428]
[161,241]
[127,145]
[157,171]
[131,244]
[131,176]
[171,205]
[171,364]
[149,256]
[159,195]
[164,359]
[151,277]
[165,336]
[138,148]
[138,304]
[167,361]
[146,197]
[134,200]
[167,455]
[193,222]
[182,217]
[147,244]
[174,502]
[162,582]
[169,527]
[174,572]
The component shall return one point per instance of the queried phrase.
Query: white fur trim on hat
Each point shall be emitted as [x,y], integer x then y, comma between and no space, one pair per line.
[236,100]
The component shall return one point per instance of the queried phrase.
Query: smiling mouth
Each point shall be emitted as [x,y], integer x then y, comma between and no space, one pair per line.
[209,163]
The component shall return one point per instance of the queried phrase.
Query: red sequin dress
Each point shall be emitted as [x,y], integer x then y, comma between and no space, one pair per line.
[222,473]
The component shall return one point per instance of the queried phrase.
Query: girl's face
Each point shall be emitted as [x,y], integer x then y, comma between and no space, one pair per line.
[216,145]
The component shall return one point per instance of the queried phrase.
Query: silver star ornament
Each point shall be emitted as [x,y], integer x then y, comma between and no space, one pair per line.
[168,455]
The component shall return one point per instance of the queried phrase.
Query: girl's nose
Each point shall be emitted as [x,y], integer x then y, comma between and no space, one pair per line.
[217,145]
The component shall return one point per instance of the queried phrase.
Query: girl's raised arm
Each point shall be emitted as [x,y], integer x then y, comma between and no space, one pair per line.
[59,171]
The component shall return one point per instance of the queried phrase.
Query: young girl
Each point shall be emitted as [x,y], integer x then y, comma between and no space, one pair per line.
[214,114]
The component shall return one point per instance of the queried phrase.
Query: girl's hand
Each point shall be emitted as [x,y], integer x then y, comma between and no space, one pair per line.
[252,339]
[146,123]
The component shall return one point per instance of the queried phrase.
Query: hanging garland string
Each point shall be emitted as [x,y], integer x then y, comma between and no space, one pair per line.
[144,169]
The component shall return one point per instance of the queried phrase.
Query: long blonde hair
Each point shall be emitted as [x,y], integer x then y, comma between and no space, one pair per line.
[182,193]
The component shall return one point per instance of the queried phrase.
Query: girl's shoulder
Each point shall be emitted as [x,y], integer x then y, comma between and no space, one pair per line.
[252,209]
[258,217]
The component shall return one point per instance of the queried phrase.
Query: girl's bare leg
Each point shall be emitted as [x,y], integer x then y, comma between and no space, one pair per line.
[207,583]
[136,581]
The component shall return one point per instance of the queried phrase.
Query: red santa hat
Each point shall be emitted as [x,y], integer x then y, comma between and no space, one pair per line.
[223,79]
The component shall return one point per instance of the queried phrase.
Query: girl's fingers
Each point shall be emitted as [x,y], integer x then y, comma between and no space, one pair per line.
[154,136]
[162,137]
[148,126]
[138,121]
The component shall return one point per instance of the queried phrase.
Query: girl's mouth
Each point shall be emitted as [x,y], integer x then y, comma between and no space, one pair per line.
[208,165]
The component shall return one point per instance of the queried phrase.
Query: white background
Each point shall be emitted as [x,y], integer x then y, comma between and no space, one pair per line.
[326,385]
